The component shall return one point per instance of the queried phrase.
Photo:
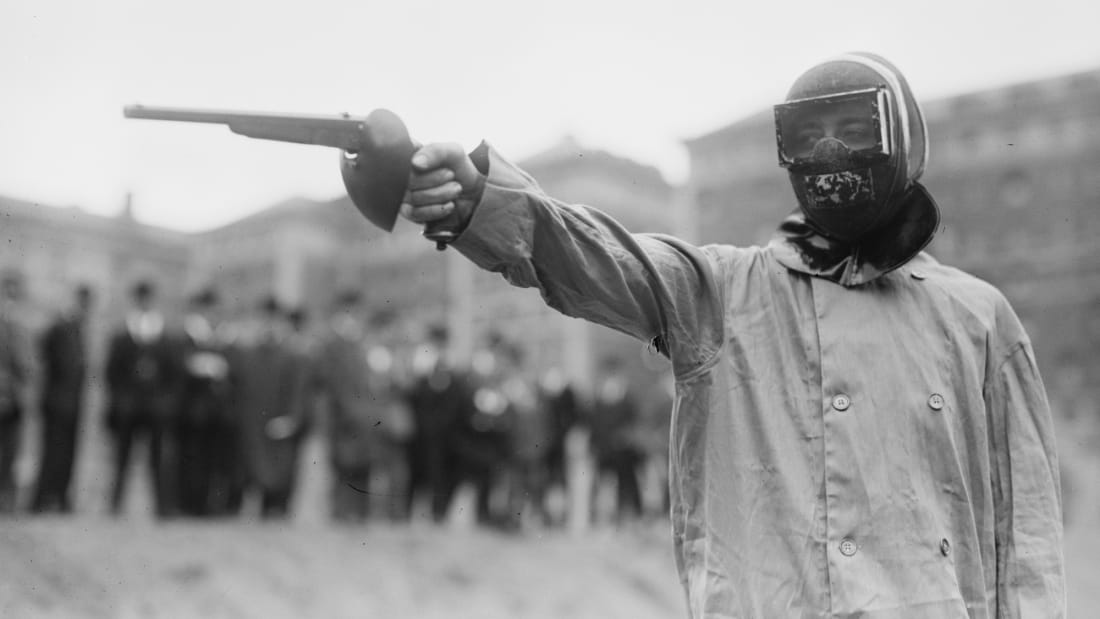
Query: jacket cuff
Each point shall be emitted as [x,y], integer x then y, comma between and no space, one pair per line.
[500,229]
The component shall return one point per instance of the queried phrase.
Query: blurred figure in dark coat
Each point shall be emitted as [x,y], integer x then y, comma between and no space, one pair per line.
[482,440]
[16,361]
[205,394]
[614,422]
[64,367]
[368,417]
[394,415]
[530,435]
[228,470]
[270,397]
[563,410]
[142,379]
[440,396]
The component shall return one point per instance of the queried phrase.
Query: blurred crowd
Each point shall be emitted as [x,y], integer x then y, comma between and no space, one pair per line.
[220,409]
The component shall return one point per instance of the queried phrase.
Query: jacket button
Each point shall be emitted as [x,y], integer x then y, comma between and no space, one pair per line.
[945,547]
[935,402]
[917,274]
[841,402]
[848,547]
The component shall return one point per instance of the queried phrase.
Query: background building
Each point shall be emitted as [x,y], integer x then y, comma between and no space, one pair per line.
[58,248]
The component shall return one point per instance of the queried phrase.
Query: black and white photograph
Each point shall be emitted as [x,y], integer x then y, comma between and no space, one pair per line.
[579,310]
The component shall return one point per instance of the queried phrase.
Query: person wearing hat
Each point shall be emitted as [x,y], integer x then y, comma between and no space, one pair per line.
[142,383]
[859,430]
[270,397]
[16,370]
[63,350]
[369,420]
[204,401]
[440,396]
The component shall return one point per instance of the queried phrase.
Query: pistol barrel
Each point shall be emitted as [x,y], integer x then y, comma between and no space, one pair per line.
[342,131]
[375,177]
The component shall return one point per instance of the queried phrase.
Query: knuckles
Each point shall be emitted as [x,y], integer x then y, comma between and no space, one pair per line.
[436,194]
[425,213]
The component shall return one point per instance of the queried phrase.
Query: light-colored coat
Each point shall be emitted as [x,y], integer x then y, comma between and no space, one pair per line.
[881,450]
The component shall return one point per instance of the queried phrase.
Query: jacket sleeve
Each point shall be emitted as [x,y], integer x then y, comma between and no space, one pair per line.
[1026,492]
[585,264]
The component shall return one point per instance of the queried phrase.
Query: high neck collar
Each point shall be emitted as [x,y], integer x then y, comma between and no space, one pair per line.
[799,246]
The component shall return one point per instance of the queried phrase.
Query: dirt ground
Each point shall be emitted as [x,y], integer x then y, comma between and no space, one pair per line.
[92,566]
[97,567]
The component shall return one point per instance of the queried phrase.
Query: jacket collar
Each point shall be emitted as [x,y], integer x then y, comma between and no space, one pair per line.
[800,247]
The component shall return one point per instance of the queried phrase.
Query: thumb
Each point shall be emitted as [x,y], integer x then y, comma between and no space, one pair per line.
[447,155]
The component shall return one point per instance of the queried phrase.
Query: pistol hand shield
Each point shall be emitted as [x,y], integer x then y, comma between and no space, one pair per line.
[377,174]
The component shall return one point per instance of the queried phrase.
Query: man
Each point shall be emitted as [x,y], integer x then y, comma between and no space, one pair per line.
[480,440]
[142,381]
[205,393]
[367,415]
[615,426]
[561,405]
[440,397]
[15,374]
[510,433]
[64,364]
[859,430]
[270,398]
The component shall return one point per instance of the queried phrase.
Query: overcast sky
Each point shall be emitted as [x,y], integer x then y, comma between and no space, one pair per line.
[631,77]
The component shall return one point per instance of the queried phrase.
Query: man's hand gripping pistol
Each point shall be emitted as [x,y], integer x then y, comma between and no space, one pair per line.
[376,162]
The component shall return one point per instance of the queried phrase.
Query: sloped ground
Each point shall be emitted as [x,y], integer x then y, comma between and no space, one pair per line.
[91,566]
[96,567]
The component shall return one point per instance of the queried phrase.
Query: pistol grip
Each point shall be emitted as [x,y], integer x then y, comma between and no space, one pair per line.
[446,230]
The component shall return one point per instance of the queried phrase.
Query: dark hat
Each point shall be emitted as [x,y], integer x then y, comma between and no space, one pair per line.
[206,297]
[438,333]
[298,316]
[11,277]
[84,295]
[611,363]
[269,305]
[143,289]
[383,317]
[504,346]
[11,281]
[495,339]
[348,297]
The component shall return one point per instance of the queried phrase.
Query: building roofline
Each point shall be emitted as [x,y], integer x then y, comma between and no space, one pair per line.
[74,215]
[1086,78]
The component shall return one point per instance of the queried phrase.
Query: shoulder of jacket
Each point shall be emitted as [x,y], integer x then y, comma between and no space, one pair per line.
[973,295]
[954,281]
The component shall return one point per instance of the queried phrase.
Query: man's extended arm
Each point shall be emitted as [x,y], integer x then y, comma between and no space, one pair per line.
[1027,492]
[585,264]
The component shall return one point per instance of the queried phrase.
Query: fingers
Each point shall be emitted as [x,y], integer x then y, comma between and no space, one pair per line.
[441,154]
[425,180]
[446,155]
[434,195]
[441,174]
[425,214]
